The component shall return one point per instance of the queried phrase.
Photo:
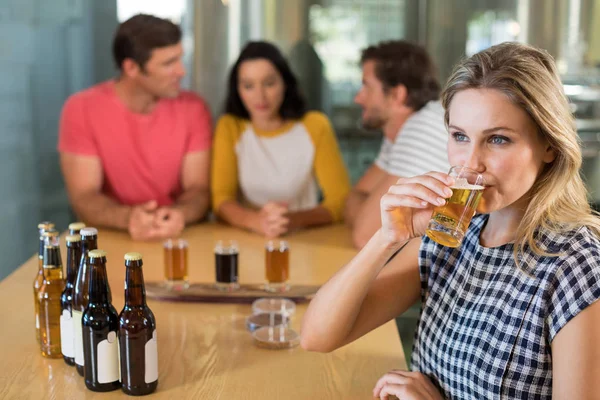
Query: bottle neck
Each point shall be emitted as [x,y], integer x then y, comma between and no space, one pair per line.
[135,291]
[98,287]
[87,243]
[52,262]
[73,259]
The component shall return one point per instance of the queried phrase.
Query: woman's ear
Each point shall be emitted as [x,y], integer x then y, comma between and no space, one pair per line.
[549,154]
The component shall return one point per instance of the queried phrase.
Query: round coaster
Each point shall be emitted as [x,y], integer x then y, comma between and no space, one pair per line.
[274,305]
[276,337]
[256,321]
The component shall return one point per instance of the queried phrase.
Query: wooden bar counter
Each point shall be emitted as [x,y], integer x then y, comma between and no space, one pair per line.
[204,350]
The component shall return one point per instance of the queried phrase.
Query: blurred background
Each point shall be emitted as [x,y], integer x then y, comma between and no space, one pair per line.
[51,49]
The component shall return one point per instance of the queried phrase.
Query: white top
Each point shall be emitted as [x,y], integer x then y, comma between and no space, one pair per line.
[278,168]
[420,146]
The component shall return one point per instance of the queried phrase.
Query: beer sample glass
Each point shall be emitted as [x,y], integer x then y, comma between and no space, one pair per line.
[449,222]
[176,263]
[277,265]
[226,265]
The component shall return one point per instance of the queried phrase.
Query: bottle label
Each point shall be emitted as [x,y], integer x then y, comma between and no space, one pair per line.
[108,359]
[67,341]
[77,334]
[151,359]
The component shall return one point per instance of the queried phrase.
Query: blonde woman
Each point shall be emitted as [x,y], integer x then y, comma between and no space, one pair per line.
[512,313]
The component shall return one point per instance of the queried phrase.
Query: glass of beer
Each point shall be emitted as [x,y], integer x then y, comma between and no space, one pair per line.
[226,265]
[277,265]
[176,263]
[449,222]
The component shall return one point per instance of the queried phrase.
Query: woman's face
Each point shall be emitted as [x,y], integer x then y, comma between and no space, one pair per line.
[493,136]
[261,88]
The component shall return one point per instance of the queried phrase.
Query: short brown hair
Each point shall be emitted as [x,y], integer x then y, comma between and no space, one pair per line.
[139,35]
[398,62]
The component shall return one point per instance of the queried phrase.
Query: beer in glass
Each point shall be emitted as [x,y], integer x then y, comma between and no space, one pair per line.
[226,265]
[449,222]
[277,265]
[176,263]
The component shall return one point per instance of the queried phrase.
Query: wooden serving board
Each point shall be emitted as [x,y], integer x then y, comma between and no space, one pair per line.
[208,293]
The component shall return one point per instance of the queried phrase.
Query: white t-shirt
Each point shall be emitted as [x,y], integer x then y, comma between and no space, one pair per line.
[420,146]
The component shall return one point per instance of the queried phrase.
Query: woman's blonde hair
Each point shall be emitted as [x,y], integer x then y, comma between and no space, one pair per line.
[528,77]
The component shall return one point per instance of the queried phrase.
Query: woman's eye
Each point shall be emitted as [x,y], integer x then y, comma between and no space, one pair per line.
[460,137]
[499,140]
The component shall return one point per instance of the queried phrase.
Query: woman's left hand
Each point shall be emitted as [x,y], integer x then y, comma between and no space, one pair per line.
[406,385]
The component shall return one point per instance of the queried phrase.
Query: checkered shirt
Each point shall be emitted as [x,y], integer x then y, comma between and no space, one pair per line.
[486,327]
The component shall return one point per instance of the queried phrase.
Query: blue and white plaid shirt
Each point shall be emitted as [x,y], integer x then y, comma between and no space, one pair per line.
[486,326]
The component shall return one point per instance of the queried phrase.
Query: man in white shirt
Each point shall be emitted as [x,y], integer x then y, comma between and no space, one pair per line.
[399,95]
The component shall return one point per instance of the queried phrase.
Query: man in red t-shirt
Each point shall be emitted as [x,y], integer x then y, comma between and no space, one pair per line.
[135,151]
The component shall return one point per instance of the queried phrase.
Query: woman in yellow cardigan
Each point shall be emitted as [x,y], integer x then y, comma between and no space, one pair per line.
[276,167]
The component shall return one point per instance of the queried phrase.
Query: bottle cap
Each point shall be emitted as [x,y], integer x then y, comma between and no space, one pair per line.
[133,256]
[73,238]
[46,225]
[88,232]
[96,253]
[52,233]
[76,226]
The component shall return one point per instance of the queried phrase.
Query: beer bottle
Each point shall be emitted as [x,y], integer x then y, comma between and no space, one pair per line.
[75,228]
[89,241]
[67,340]
[39,276]
[100,325]
[49,297]
[137,334]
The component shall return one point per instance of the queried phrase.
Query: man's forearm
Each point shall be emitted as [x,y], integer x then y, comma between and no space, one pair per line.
[354,203]
[97,209]
[194,204]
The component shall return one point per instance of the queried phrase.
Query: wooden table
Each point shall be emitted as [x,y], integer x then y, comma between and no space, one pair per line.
[204,350]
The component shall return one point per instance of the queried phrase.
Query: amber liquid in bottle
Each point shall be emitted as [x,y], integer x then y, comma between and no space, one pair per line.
[49,300]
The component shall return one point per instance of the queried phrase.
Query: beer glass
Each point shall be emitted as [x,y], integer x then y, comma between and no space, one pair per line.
[226,265]
[176,263]
[277,265]
[449,222]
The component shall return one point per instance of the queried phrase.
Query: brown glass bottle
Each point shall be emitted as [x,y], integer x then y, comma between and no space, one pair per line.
[49,298]
[137,333]
[89,241]
[45,226]
[66,300]
[100,325]
[75,228]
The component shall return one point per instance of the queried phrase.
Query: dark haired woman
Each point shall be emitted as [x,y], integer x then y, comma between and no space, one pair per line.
[270,155]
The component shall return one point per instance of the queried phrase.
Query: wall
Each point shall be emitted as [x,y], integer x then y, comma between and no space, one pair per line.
[48,50]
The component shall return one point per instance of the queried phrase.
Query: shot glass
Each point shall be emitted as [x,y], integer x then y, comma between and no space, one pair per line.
[449,222]
[277,266]
[176,264]
[226,265]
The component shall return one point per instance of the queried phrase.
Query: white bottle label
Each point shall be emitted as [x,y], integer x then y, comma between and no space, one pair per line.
[108,359]
[78,335]
[67,341]
[151,359]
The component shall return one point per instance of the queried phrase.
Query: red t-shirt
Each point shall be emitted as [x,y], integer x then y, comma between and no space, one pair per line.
[141,154]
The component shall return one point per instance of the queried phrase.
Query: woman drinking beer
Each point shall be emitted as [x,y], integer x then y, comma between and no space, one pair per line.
[271,157]
[511,312]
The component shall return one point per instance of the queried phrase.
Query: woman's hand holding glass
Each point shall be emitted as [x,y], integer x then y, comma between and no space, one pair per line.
[408,205]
